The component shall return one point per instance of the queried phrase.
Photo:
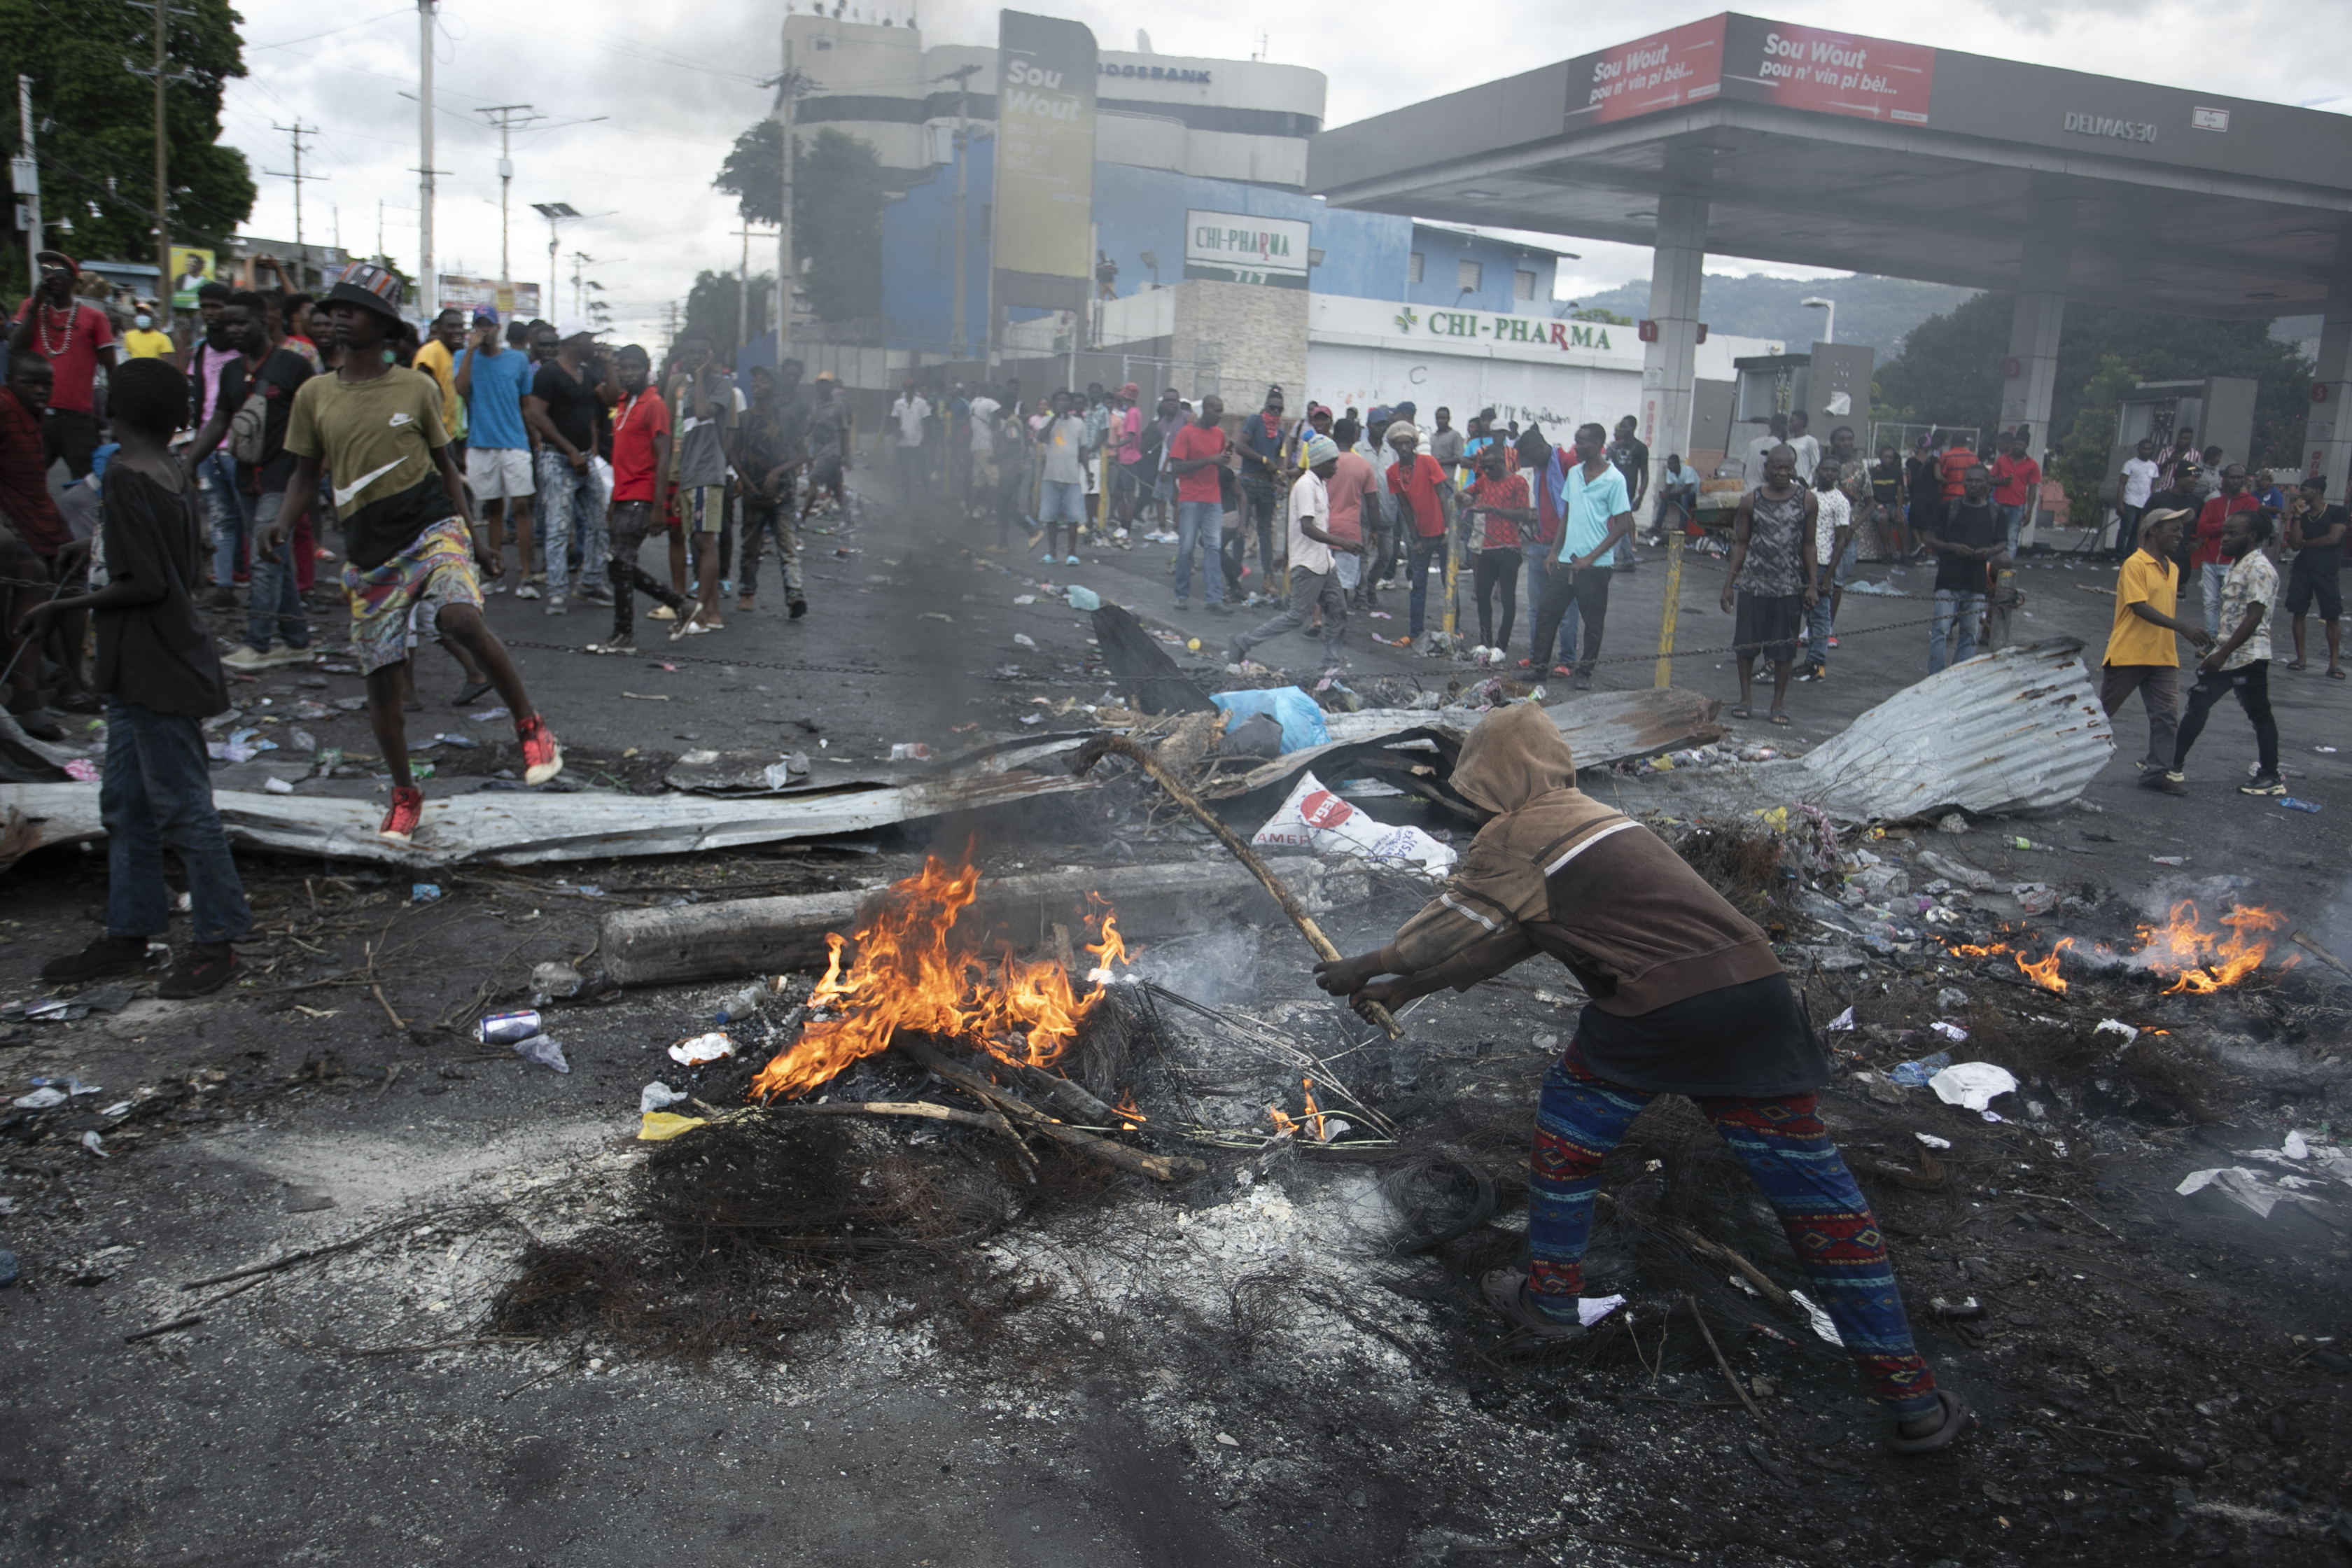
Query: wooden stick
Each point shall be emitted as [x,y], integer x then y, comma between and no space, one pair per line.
[289,1261]
[1706,1248]
[1159,1167]
[173,1327]
[1076,1098]
[991,1120]
[1728,1376]
[397,1024]
[2326,957]
[1102,744]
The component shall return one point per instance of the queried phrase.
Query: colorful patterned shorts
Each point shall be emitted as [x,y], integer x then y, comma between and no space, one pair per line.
[436,570]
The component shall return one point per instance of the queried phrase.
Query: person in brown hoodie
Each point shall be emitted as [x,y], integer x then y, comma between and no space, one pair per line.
[1687,998]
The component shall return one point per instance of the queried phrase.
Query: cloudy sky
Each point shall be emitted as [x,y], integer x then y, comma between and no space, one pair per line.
[637,123]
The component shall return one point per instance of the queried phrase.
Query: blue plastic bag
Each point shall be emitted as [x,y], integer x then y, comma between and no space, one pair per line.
[1301,720]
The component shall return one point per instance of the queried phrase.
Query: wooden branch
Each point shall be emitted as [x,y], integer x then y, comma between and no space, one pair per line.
[1159,1167]
[1717,1250]
[1076,1098]
[1728,1376]
[289,1261]
[2329,959]
[990,1121]
[1120,745]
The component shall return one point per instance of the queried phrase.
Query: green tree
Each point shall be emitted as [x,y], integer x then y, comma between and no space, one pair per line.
[1951,370]
[2079,462]
[1605,317]
[710,307]
[96,149]
[838,194]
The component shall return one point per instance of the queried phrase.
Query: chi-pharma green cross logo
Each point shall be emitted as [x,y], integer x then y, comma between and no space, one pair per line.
[1406,320]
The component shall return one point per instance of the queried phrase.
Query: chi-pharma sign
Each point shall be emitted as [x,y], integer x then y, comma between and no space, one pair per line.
[1233,247]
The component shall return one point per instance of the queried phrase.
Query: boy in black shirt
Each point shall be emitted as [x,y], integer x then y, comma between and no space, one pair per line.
[1966,540]
[267,378]
[161,680]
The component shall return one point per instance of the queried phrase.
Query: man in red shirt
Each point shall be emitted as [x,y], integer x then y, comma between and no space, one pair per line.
[1416,477]
[640,450]
[2016,485]
[1952,468]
[75,338]
[2212,569]
[1499,509]
[1195,453]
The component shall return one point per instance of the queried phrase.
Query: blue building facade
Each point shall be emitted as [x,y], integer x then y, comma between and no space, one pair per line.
[1140,217]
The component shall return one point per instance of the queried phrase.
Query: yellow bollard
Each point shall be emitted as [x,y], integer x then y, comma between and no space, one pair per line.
[1665,675]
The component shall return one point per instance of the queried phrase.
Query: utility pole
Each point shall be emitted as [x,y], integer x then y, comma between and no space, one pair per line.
[789,86]
[26,170]
[556,213]
[961,77]
[743,290]
[424,279]
[295,132]
[506,116]
[163,76]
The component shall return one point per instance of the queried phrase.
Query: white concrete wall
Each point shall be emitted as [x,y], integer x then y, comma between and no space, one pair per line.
[1558,396]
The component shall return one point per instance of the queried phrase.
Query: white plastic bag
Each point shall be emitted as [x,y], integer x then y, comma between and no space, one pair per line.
[1314,818]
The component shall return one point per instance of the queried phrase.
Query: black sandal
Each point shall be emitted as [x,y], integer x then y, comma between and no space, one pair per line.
[1779,718]
[474,692]
[1739,710]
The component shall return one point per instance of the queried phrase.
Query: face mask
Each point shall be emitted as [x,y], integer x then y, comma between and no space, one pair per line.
[142,322]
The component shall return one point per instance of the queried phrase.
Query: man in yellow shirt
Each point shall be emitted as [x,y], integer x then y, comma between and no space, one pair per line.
[144,342]
[439,359]
[2141,655]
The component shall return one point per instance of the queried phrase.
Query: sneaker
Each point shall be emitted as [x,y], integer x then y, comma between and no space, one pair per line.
[1219,607]
[623,645]
[796,606]
[1834,639]
[1183,605]
[692,627]
[543,758]
[1047,559]
[661,613]
[198,975]
[527,591]
[2167,781]
[555,606]
[1069,561]
[107,955]
[595,597]
[400,822]
[743,603]
[247,659]
[2261,783]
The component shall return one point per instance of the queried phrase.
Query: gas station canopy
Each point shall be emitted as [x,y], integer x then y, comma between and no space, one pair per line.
[1826,149]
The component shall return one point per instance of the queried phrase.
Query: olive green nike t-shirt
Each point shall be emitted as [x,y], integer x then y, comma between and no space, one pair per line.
[377,440]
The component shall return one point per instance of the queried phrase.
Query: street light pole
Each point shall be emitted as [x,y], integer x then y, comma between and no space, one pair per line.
[1829,322]
[506,116]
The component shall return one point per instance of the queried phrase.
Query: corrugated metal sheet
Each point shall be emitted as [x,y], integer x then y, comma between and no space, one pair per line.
[2019,730]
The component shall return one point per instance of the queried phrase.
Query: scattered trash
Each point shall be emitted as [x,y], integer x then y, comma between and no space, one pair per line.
[7,1269]
[274,785]
[1024,598]
[2257,1191]
[2035,898]
[2324,750]
[1960,871]
[94,1143]
[1951,822]
[702,1048]
[778,774]
[1314,818]
[81,769]
[1843,1023]
[507,1028]
[1591,1309]
[1915,1074]
[1301,719]
[119,1107]
[1972,1085]
[744,1004]
[553,979]
[1823,1327]
[2116,1026]
[910,751]
[657,1125]
[1933,1141]
[40,1099]
[546,1052]
[657,1094]
[357,705]
[487,714]
[424,892]
[2291,803]
[463,742]
[2169,860]
[1951,998]
[1082,598]
[1950,1030]
[1952,1310]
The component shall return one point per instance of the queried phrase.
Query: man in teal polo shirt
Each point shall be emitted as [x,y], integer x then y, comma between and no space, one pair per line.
[1595,514]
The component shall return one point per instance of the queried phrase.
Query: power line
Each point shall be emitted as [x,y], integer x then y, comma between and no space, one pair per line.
[295,132]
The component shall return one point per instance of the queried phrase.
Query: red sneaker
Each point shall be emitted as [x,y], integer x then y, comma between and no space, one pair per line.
[400,822]
[543,758]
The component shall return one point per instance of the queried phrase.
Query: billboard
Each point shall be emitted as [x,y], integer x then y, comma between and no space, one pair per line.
[1233,247]
[468,294]
[190,269]
[1752,60]
[1044,219]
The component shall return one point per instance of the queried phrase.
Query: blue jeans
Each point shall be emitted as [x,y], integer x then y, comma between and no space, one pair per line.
[1954,605]
[157,790]
[570,522]
[1061,501]
[1258,506]
[217,474]
[1817,619]
[1420,554]
[1200,524]
[2012,521]
[2211,575]
[271,606]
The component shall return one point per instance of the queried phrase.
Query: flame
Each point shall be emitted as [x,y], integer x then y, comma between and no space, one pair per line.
[2204,960]
[1311,1116]
[2044,972]
[903,977]
[1129,1116]
[1282,1123]
[1966,950]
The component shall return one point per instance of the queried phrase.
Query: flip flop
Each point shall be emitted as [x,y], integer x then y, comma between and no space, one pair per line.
[473,693]
[1739,710]
[2336,674]
[2296,664]
[1956,1420]
[1779,718]
[1505,1293]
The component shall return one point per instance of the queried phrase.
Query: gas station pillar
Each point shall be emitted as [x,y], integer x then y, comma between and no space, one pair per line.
[1670,359]
[2029,378]
[2328,435]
